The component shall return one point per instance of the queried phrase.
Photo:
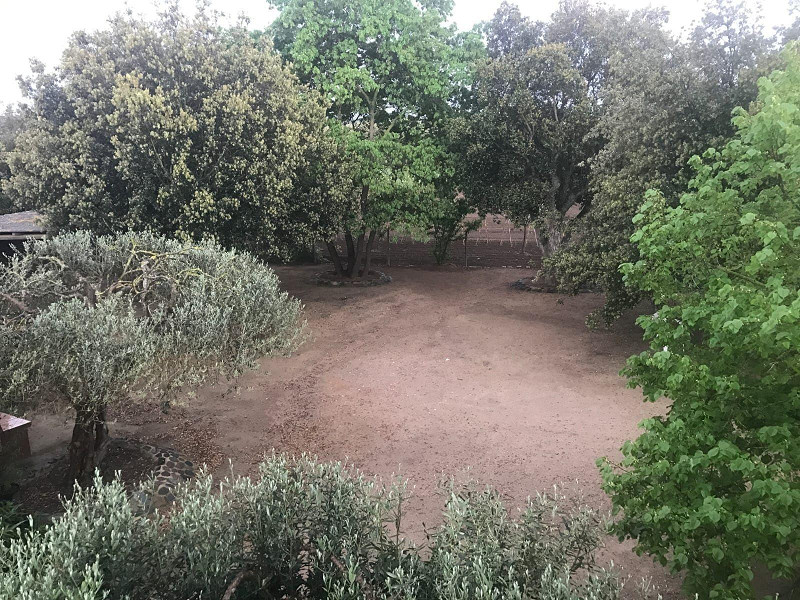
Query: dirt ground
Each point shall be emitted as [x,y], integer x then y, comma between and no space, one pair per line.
[439,370]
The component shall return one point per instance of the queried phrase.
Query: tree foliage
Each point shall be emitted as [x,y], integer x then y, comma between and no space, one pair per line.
[713,486]
[182,127]
[448,222]
[665,101]
[92,320]
[391,71]
[527,144]
[305,529]
[10,124]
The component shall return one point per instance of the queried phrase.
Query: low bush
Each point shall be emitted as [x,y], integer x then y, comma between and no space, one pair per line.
[304,529]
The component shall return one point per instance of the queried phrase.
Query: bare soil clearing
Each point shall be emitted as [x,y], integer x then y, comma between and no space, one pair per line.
[441,369]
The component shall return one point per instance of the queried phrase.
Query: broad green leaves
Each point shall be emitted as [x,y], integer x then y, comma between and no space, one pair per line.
[724,269]
[392,72]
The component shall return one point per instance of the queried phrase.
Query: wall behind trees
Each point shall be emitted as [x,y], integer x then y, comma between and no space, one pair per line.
[497,243]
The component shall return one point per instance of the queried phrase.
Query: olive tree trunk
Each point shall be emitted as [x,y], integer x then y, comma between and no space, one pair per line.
[89,444]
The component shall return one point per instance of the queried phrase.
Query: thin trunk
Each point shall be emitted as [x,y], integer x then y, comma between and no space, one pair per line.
[351,251]
[466,263]
[337,262]
[368,254]
[524,237]
[89,444]
[388,247]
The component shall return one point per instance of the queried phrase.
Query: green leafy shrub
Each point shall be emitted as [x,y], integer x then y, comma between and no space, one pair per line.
[88,320]
[447,223]
[304,529]
[714,486]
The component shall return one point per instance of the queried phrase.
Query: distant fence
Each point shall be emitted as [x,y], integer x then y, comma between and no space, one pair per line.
[497,243]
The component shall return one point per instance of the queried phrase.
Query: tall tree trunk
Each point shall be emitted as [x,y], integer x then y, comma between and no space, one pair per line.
[548,242]
[351,250]
[337,262]
[388,246]
[89,444]
[368,254]
[352,267]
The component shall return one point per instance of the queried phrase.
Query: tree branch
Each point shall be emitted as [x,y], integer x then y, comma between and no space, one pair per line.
[18,303]
[240,576]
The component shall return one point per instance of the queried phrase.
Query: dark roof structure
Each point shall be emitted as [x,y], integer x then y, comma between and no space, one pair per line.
[22,226]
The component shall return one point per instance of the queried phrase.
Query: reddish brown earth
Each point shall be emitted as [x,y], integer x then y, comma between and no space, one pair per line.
[437,371]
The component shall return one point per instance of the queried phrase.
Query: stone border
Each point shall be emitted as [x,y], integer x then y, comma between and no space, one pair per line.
[528,284]
[171,470]
[327,278]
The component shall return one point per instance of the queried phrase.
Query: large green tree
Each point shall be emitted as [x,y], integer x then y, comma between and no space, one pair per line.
[90,321]
[391,71]
[524,147]
[527,144]
[182,127]
[714,486]
[665,100]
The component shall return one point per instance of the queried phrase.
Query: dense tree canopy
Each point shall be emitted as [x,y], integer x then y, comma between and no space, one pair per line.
[391,71]
[181,127]
[665,101]
[714,485]
[353,116]
[527,145]
[10,124]
[88,321]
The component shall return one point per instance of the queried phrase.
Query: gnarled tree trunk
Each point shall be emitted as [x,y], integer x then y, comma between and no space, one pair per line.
[359,250]
[89,444]
[337,262]
[359,255]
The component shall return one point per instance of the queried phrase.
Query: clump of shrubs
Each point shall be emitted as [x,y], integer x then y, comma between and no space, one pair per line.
[304,529]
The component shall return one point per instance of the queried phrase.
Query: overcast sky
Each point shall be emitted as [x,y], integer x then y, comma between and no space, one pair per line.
[41,28]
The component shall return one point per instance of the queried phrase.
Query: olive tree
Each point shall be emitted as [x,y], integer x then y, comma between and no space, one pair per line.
[91,320]
[308,529]
[182,127]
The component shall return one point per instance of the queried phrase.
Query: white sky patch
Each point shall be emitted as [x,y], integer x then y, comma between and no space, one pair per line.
[41,28]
